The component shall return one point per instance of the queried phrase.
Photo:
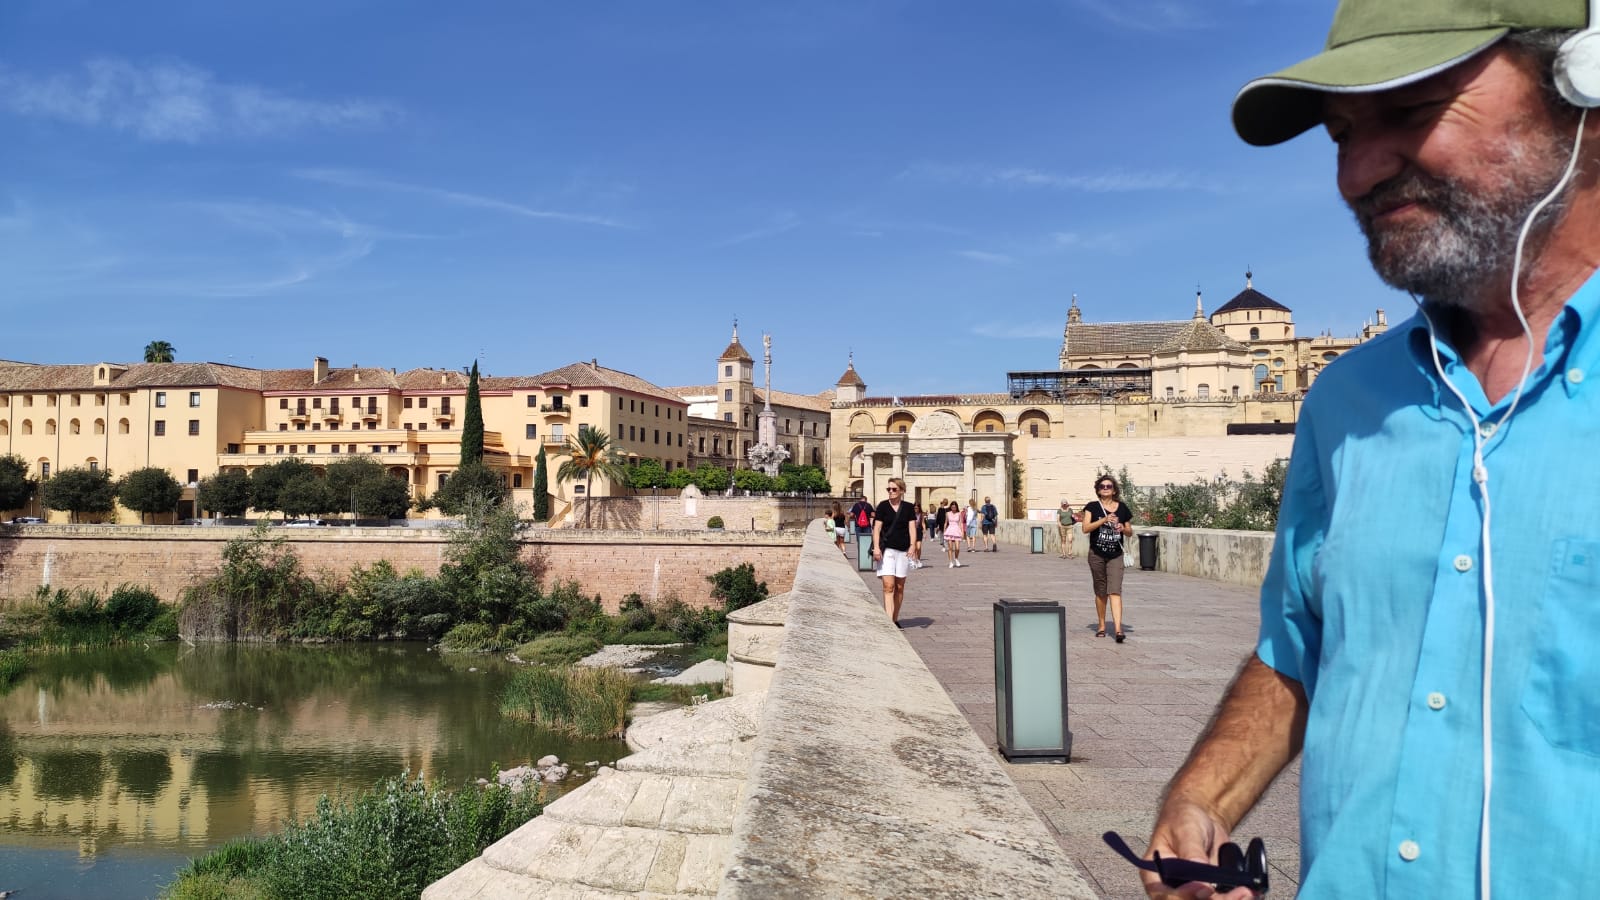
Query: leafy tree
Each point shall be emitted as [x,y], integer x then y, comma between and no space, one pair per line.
[472,422]
[737,587]
[483,569]
[1016,487]
[306,494]
[589,453]
[802,478]
[225,493]
[679,478]
[150,490]
[541,488]
[751,480]
[710,479]
[647,474]
[15,486]
[267,481]
[471,480]
[159,351]
[80,490]
[376,493]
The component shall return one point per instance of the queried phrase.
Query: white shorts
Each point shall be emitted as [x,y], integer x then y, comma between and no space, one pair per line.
[896,563]
[838,532]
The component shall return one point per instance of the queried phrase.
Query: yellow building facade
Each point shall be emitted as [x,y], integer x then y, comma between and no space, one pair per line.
[197,419]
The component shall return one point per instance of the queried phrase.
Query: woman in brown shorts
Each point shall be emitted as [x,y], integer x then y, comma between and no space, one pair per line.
[1106,520]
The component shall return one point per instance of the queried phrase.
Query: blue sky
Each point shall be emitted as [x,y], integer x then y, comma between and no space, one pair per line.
[421,184]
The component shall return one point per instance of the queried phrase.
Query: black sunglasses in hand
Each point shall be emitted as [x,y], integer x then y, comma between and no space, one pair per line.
[1234,868]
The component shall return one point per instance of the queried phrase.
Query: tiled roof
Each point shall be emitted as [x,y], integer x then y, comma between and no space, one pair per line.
[850,377]
[132,375]
[694,390]
[735,351]
[589,374]
[1199,335]
[1119,338]
[1250,298]
[820,401]
[432,380]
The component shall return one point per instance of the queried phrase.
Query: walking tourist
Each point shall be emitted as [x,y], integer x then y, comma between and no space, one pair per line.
[861,515]
[1437,663]
[837,519]
[894,529]
[1106,522]
[1067,529]
[991,518]
[971,516]
[954,530]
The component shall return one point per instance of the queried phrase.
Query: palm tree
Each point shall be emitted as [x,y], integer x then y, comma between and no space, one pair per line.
[158,351]
[589,454]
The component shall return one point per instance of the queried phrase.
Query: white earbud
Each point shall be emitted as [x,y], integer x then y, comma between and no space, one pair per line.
[1577,71]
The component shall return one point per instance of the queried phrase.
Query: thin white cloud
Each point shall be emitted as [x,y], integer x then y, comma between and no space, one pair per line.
[781,222]
[1021,331]
[1148,15]
[363,181]
[984,256]
[175,101]
[1020,177]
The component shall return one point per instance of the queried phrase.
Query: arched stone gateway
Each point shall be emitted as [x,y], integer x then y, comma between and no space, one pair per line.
[940,459]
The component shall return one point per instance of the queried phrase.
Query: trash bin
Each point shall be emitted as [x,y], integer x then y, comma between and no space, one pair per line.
[1147,550]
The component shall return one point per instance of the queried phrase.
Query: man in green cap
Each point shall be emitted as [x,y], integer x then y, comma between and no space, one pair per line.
[1430,630]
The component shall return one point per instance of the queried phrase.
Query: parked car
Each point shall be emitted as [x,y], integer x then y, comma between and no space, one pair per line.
[304,523]
[27,520]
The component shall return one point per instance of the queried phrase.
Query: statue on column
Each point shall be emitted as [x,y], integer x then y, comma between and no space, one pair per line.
[766,454]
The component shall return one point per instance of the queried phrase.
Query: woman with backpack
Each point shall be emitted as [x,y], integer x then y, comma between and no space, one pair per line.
[1106,520]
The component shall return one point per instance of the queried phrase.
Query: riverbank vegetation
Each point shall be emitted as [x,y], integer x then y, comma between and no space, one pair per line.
[1245,504]
[387,843]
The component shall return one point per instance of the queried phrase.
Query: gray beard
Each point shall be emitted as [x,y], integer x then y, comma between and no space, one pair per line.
[1473,240]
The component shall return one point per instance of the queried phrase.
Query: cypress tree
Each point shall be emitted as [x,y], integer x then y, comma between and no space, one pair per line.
[472,426]
[541,489]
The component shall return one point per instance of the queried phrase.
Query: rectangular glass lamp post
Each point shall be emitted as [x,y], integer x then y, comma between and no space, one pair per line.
[863,551]
[1030,681]
[1036,539]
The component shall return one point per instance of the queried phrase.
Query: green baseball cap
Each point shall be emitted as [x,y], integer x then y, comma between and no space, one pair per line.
[1375,45]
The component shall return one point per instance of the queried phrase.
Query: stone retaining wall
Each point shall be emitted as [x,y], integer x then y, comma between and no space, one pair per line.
[866,780]
[1231,557]
[169,558]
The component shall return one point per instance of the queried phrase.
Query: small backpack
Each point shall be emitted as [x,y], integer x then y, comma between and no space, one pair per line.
[861,518]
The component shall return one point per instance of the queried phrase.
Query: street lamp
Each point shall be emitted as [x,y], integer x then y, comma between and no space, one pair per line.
[1030,681]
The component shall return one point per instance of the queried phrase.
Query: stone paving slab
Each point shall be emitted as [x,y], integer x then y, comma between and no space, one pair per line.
[1134,708]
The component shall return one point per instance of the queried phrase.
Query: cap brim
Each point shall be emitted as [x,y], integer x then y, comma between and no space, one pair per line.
[1274,109]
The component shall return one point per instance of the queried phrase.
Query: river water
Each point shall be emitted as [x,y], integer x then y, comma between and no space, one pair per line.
[117,765]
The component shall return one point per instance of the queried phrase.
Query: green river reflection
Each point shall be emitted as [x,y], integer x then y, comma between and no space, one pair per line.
[117,765]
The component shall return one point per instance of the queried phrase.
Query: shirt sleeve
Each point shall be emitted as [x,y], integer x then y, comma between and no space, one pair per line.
[1290,639]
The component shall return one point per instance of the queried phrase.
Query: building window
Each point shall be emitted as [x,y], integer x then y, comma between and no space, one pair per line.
[280,449]
[619,404]
[263,449]
[422,403]
[122,426]
[94,465]
[161,427]
[657,439]
[44,469]
[77,399]
[1261,374]
[161,399]
[294,449]
[194,398]
[311,448]
[299,426]
[283,402]
[727,395]
[333,448]
[658,410]
[619,431]
[1255,334]
[727,371]
[680,439]
[516,479]
[577,489]
[533,401]
[194,427]
[557,433]
[73,427]
[1033,429]
[283,426]
[126,399]
[716,446]
[354,426]
[194,477]
[99,426]
[376,448]
[408,402]
[583,399]
[233,448]
[443,477]
[393,448]
[1171,392]
[702,445]
[533,432]
[422,426]
[316,402]
[727,417]
[1204,391]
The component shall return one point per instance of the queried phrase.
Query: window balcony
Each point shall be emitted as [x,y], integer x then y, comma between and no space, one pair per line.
[561,410]
[332,415]
[300,415]
[371,414]
[444,415]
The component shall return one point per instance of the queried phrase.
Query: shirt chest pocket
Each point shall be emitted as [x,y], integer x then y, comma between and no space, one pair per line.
[1563,692]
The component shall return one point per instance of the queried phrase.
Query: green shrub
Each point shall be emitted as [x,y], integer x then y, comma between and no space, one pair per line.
[714,522]
[390,842]
[558,649]
[471,637]
[13,665]
[689,624]
[132,609]
[582,701]
[649,636]
[736,587]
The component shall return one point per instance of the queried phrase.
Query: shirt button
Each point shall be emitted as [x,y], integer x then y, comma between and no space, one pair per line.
[1575,376]
[1409,850]
[1463,563]
[1436,700]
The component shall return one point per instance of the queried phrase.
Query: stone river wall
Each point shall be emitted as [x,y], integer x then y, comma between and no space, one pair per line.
[167,559]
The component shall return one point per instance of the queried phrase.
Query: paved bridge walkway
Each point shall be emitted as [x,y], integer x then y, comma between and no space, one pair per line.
[1134,708]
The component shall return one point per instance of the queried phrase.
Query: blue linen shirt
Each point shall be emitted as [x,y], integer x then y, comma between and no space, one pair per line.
[1374,601]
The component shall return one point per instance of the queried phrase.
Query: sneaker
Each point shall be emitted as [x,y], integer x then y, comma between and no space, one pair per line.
[952,565]
[961,565]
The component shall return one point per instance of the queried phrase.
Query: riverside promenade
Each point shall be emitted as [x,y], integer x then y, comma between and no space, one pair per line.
[1134,708]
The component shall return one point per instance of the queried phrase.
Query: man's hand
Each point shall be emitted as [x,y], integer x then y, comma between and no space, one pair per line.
[1187,830]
